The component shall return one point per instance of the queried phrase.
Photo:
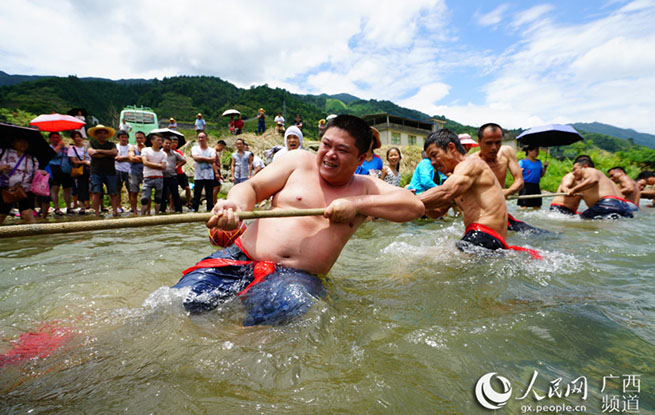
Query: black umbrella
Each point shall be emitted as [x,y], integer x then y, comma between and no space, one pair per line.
[39,147]
[74,112]
[167,132]
[549,135]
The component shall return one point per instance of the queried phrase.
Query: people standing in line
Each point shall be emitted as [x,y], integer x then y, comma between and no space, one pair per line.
[241,168]
[103,170]
[174,160]
[122,164]
[200,123]
[218,175]
[60,168]
[203,157]
[154,164]
[298,122]
[172,124]
[261,121]
[279,123]
[136,170]
[533,171]
[79,155]
[182,180]
[391,173]
[18,168]
[372,164]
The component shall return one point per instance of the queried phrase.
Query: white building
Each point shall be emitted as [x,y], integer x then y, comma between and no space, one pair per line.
[400,131]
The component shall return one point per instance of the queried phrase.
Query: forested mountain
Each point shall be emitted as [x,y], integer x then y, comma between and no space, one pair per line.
[643,139]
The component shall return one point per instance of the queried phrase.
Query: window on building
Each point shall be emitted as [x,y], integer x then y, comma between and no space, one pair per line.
[395,138]
[411,140]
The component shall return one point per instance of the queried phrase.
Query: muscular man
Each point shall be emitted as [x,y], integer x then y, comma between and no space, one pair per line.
[475,189]
[566,205]
[274,265]
[628,187]
[644,179]
[501,158]
[599,193]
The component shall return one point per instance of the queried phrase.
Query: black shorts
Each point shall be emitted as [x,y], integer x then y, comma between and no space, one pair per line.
[59,178]
[182,180]
[530,189]
[562,209]
[479,238]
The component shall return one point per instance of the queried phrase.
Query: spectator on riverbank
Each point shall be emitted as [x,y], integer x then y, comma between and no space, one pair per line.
[122,164]
[321,128]
[372,164]
[60,169]
[261,121]
[172,124]
[154,164]
[391,173]
[279,123]
[103,170]
[533,170]
[136,170]
[298,122]
[238,125]
[200,123]
[18,168]
[292,140]
[425,176]
[174,161]
[256,163]
[241,167]
[218,175]
[79,156]
[182,180]
[203,157]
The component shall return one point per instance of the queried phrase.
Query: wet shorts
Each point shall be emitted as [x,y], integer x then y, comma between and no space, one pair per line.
[520,226]
[610,207]
[485,237]
[271,293]
[556,207]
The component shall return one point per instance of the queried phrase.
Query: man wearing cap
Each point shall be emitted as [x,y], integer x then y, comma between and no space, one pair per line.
[122,164]
[103,170]
[200,123]
[261,121]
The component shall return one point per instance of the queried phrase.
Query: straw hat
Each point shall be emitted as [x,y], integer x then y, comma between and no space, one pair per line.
[171,119]
[199,115]
[92,131]
[261,110]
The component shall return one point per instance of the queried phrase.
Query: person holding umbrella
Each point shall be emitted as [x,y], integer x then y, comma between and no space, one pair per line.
[533,171]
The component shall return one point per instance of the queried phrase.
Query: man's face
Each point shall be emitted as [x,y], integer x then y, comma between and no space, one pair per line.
[220,147]
[202,140]
[55,139]
[122,139]
[338,157]
[441,159]
[642,184]
[174,143]
[578,171]
[140,138]
[156,141]
[102,135]
[239,145]
[491,141]
[614,175]
[166,144]
[651,181]
[293,142]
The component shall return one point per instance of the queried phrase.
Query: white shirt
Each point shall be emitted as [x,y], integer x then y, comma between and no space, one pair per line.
[123,166]
[153,157]
[203,171]
[81,151]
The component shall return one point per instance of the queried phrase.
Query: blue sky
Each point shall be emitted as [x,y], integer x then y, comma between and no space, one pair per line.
[519,64]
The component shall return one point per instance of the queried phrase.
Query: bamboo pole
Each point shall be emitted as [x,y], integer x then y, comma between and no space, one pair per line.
[536,196]
[14,231]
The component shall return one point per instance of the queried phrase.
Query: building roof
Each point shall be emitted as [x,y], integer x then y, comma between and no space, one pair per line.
[381,119]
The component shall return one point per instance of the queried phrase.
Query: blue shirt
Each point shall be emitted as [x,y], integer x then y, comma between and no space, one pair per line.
[374,164]
[531,170]
[423,177]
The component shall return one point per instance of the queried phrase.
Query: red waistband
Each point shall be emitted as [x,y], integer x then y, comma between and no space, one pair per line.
[261,270]
[485,229]
[617,198]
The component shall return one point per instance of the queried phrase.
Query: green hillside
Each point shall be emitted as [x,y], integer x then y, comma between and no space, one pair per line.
[629,134]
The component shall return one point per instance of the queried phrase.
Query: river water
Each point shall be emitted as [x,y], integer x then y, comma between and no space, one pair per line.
[409,326]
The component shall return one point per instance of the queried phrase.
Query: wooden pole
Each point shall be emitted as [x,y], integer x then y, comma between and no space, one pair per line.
[512,197]
[14,231]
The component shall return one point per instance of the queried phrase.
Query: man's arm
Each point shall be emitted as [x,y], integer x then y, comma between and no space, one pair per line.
[625,186]
[156,166]
[442,196]
[103,153]
[181,160]
[589,179]
[514,170]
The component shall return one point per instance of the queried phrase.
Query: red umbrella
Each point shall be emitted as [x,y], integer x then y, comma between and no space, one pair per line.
[56,122]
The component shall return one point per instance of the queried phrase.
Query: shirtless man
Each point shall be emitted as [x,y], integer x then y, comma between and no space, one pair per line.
[627,186]
[644,179]
[475,189]
[599,193]
[501,158]
[279,258]
[566,205]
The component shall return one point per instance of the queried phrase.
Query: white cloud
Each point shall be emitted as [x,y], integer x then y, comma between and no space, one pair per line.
[492,18]
[530,15]
[427,97]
